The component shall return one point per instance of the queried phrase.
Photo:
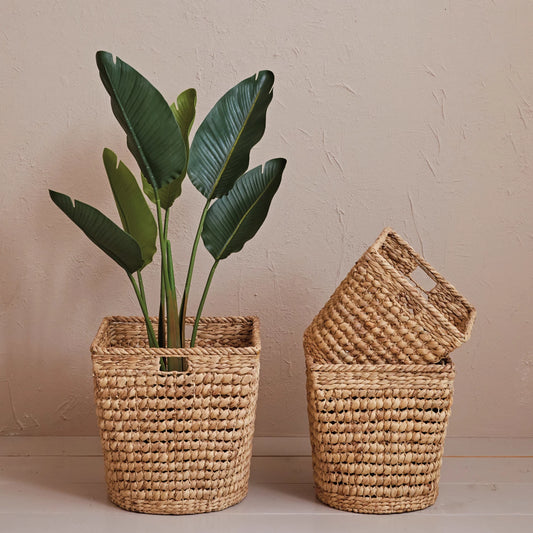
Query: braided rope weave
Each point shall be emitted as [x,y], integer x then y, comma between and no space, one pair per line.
[177,442]
[379,314]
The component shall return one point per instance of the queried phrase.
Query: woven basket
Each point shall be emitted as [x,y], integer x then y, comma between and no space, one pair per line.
[377,432]
[177,442]
[379,313]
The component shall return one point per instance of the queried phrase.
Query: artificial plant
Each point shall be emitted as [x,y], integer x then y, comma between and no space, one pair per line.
[236,199]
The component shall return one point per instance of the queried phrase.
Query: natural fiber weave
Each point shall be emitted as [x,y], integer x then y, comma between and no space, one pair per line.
[379,314]
[177,442]
[377,433]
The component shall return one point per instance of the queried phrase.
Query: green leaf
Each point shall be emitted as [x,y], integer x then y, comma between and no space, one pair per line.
[154,137]
[235,218]
[184,111]
[220,151]
[167,194]
[184,114]
[136,217]
[114,241]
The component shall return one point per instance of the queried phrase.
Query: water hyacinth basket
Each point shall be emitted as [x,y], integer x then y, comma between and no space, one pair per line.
[380,314]
[377,433]
[380,382]
[177,442]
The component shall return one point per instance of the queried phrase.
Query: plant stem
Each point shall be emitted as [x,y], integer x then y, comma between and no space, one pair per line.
[142,302]
[162,298]
[162,247]
[170,264]
[174,363]
[173,337]
[202,302]
[154,343]
[161,337]
[141,286]
[185,296]
[166,224]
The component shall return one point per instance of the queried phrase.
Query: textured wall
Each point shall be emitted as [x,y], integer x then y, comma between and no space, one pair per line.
[412,114]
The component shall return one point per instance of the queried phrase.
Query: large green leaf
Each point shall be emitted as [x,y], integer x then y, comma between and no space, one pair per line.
[220,151]
[136,217]
[154,137]
[235,218]
[184,112]
[114,241]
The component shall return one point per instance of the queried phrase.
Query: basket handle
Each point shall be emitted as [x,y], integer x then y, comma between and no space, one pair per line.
[462,314]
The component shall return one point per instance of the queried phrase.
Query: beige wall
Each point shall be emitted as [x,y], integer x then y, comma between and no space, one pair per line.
[412,114]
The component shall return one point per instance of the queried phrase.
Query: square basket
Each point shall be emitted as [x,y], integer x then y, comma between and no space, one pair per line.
[380,313]
[380,381]
[177,442]
[377,432]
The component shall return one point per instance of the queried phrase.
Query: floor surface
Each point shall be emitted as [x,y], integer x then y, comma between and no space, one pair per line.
[54,484]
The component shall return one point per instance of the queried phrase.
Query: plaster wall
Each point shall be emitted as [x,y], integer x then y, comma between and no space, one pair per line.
[412,114]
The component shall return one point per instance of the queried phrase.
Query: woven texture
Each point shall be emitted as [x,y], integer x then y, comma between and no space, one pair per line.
[377,433]
[379,313]
[380,382]
[177,442]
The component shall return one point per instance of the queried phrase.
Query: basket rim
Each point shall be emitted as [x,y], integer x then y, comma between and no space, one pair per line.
[99,348]
[445,365]
[374,249]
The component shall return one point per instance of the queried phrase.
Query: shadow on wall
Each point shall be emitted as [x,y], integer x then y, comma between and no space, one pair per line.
[276,288]
[52,304]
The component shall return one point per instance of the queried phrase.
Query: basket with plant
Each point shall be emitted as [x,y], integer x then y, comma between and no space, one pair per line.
[176,415]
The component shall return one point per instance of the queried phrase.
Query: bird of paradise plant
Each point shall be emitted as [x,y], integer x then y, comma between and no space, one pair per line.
[237,200]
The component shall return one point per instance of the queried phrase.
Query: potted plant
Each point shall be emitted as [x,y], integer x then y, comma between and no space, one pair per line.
[176,416]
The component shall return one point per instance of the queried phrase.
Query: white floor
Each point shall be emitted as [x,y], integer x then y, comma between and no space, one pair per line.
[56,484]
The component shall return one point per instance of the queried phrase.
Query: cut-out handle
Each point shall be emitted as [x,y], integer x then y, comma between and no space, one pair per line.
[422,279]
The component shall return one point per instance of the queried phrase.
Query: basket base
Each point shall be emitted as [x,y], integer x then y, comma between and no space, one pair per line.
[177,507]
[370,505]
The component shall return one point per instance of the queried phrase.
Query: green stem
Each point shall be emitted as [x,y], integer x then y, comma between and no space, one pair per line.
[154,343]
[166,224]
[163,304]
[186,290]
[171,341]
[174,363]
[170,263]
[162,245]
[141,285]
[142,302]
[161,322]
[202,302]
